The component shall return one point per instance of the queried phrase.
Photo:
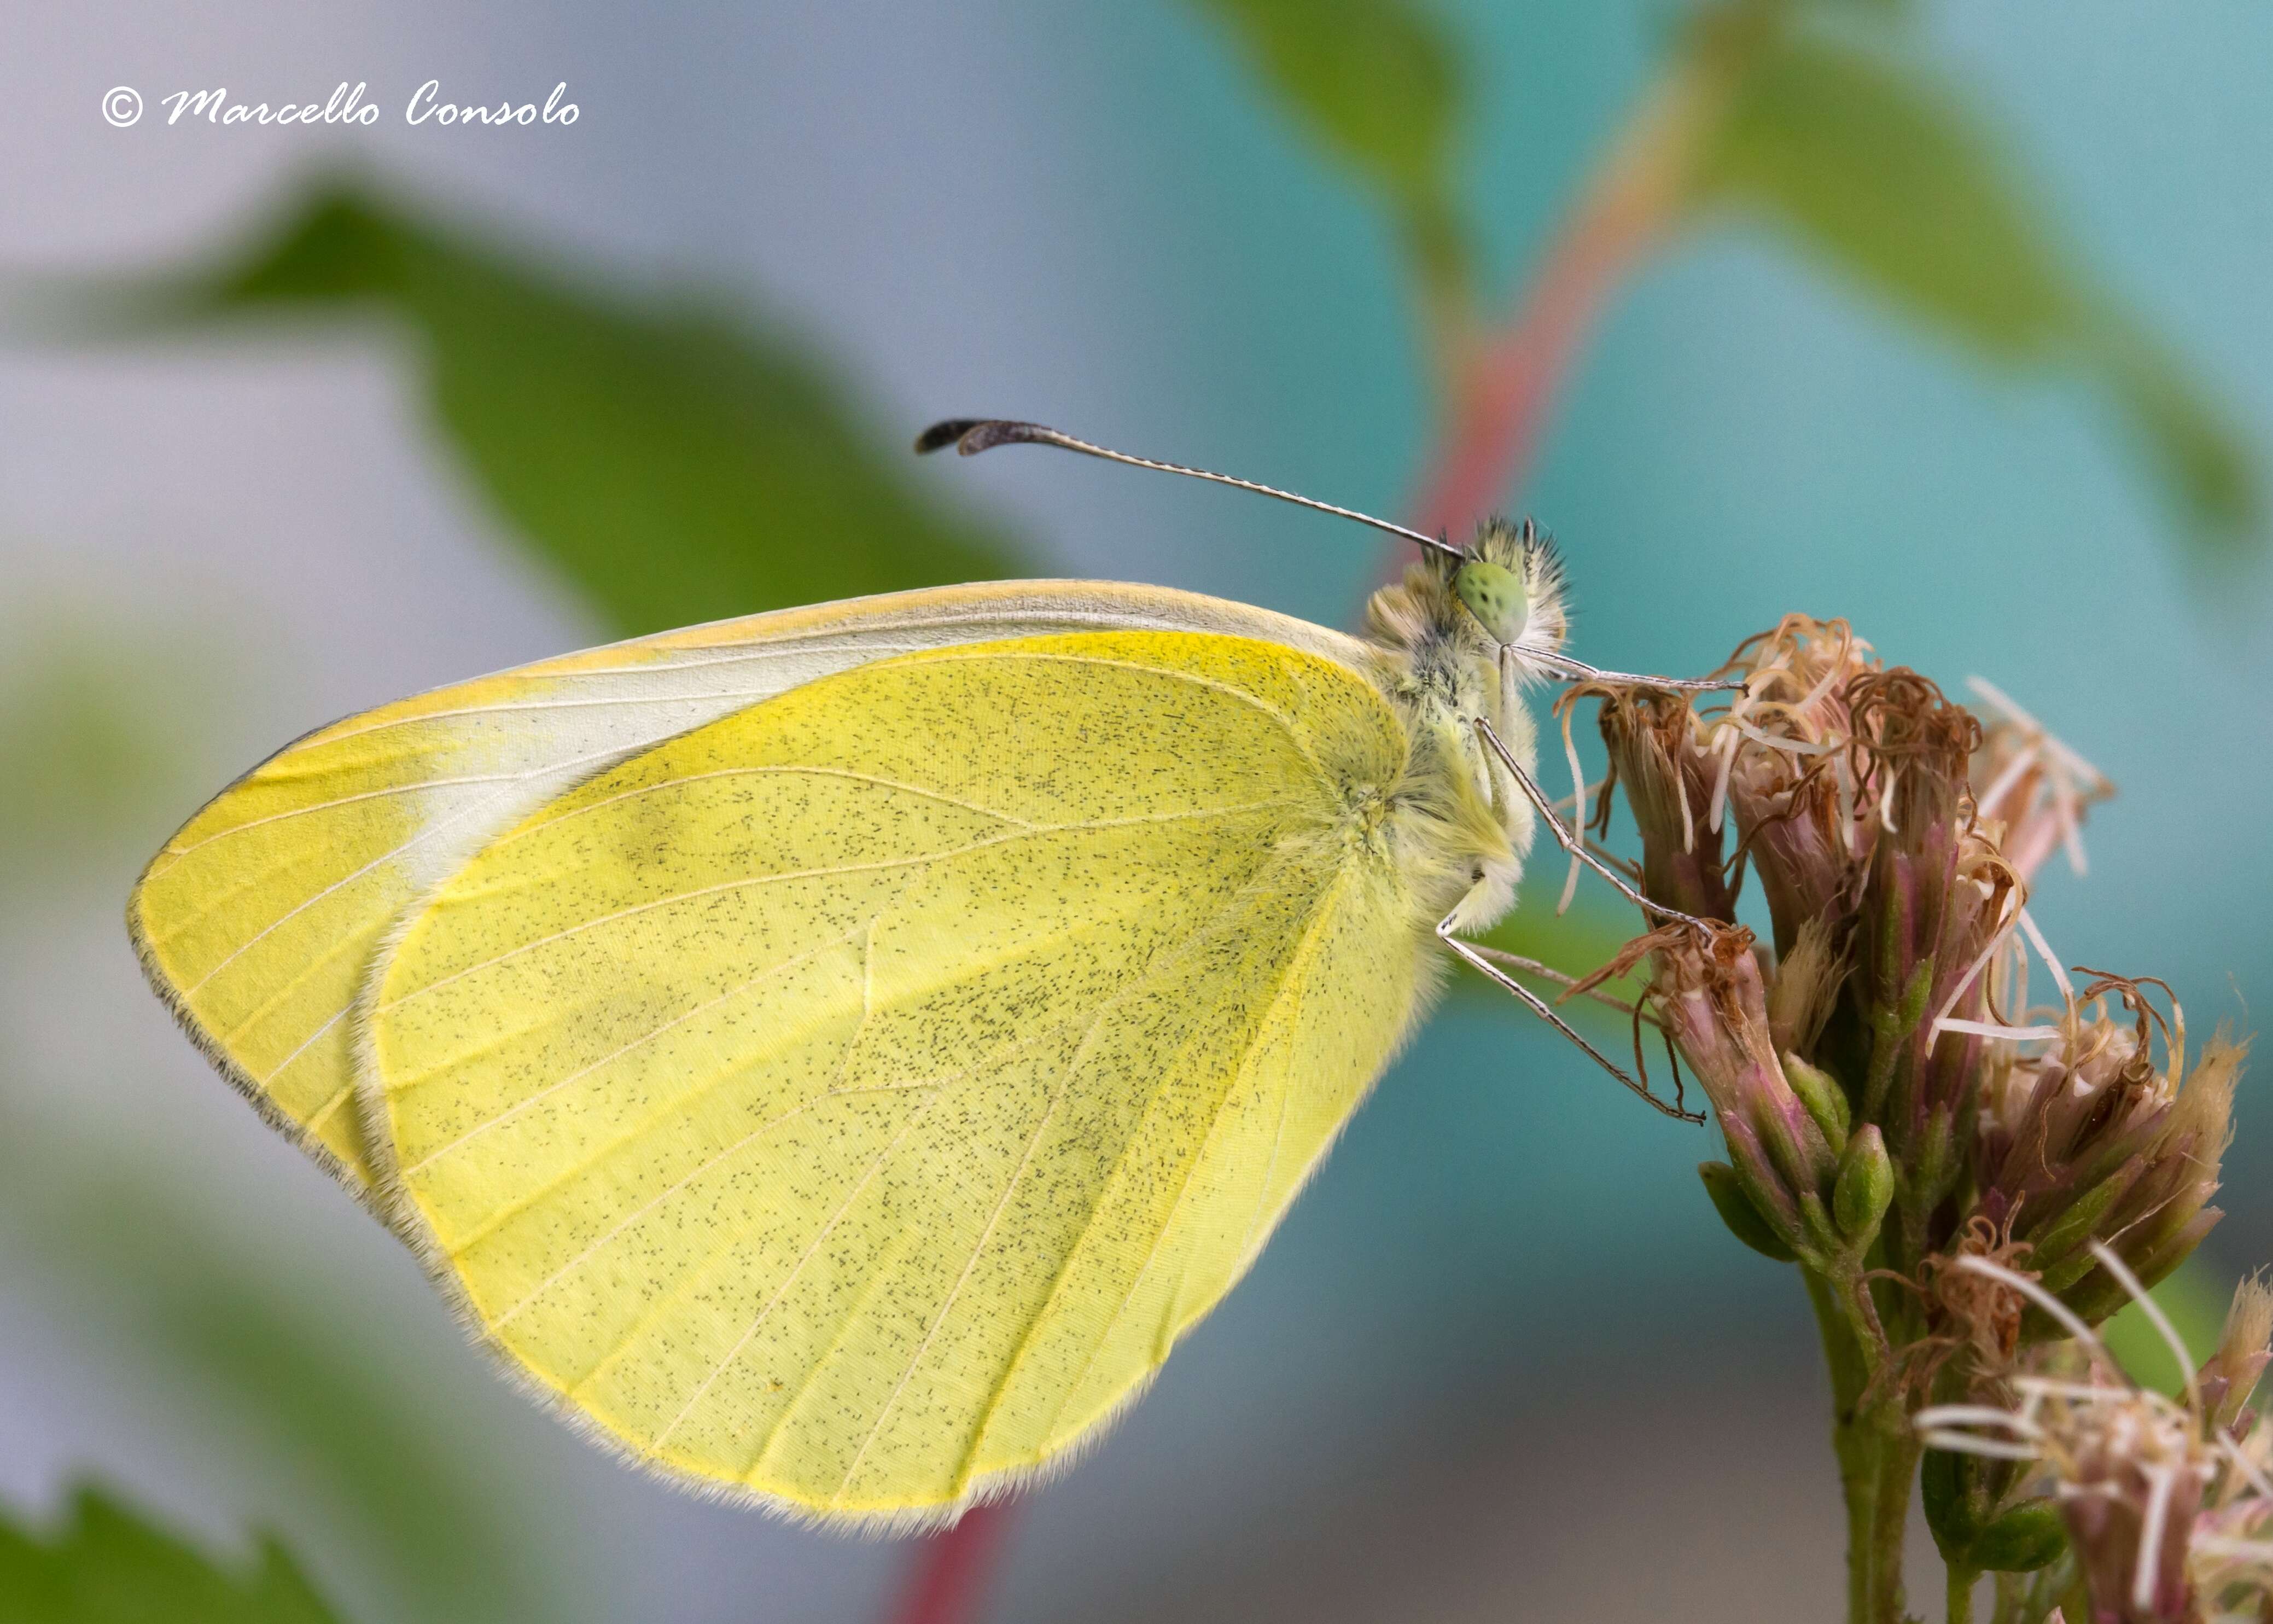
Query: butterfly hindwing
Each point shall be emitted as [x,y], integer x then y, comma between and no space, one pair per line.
[851,1100]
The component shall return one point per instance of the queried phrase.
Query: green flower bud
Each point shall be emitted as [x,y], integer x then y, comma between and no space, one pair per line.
[1865,1185]
[2030,1536]
[1945,1489]
[1953,1486]
[1739,1212]
[1825,1099]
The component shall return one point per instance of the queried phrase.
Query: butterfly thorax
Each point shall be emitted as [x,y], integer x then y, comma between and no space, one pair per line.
[1458,825]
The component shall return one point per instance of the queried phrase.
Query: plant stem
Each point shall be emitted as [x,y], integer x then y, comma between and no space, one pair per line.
[1859,1482]
[1499,389]
[1878,1454]
[951,1568]
[1898,1451]
[1961,1595]
[2008,1599]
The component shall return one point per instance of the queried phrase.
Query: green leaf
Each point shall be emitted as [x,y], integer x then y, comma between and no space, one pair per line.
[95,742]
[1377,84]
[2192,450]
[1892,182]
[675,464]
[1887,175]
[1959,1490]
[280,1358]
[1945,1490]
[106,1565]
[2030,1536]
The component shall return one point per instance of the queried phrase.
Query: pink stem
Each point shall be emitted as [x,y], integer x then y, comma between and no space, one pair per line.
[1503,389]
[951,1568]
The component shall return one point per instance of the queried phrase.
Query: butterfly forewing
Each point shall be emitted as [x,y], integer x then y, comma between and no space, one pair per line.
[258,921]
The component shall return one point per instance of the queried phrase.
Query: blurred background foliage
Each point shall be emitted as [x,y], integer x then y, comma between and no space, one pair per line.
[1819,116]
[663,456]
[676,466]
[107,1566]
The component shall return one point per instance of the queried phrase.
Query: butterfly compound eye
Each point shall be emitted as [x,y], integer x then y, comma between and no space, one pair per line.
[1497,596]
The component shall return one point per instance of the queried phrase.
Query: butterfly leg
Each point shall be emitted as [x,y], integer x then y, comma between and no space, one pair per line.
[1578,671]
[1569,841]
[1475,957]
[1547,972]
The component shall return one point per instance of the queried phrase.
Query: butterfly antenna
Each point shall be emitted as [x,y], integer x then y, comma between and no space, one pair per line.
[970,436]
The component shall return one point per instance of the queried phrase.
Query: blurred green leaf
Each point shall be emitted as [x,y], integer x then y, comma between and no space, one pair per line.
[676,465]
[1378,84]
[1894,182]
[277,1352]
[2192,450]
[1887,175]
[87,752]
[106,1565]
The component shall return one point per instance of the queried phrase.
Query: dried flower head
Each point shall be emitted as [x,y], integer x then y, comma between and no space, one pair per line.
[2231,1375]
[2085,1133]
[1714,1005]
[1653,755]
[1878,815]
[1782,767]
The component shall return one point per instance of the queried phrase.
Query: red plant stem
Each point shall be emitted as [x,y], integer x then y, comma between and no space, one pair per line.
[951,1568]
[1501,388]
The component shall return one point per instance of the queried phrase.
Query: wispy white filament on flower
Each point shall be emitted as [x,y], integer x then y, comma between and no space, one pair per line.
[1728,744]
[1792,747]
[1578,815]
[1688,824]
[2003,782]
[1992,1029]
[1997,939]
[2051,961]
[2070,781]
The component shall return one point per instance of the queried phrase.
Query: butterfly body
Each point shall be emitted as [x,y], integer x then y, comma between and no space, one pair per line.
[835,1054]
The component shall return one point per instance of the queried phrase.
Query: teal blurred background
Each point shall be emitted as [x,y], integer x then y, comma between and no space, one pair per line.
[1497,1364]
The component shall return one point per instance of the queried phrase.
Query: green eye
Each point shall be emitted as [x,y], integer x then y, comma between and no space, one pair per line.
[1496,596]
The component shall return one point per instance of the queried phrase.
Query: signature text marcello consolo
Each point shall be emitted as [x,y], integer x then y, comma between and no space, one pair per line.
[347,106]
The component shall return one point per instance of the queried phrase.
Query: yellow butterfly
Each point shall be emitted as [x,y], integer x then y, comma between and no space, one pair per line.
[835,1054]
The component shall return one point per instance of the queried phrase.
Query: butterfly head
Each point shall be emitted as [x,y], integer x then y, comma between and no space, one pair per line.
[1509,582]
[1496,596]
